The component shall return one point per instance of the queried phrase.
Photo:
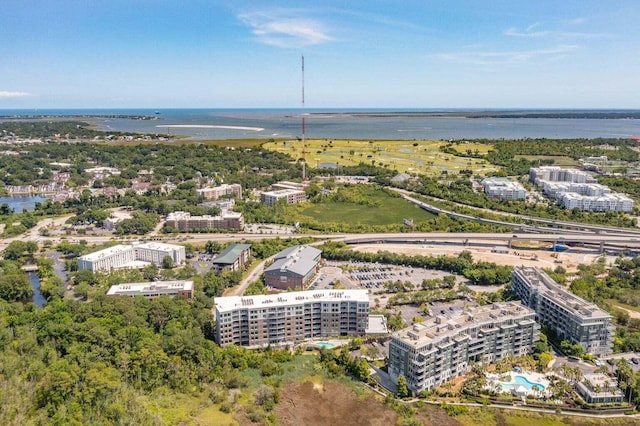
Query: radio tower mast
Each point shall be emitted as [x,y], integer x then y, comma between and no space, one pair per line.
[304,162]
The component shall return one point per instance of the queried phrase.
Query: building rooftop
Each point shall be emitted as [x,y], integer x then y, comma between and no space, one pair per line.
[283,192]
[159,246]
[230,254]
[225,304]
[377,325]
[120,248]
[159,287]
[297,259]
[439,328]
[543,284]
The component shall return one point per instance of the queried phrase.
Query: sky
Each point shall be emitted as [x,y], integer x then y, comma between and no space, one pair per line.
[358,54]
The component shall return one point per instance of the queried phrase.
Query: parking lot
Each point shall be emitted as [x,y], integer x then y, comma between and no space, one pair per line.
[631,357]
[372,276]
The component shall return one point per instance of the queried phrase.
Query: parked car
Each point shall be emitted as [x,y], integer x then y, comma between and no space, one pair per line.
[635,361]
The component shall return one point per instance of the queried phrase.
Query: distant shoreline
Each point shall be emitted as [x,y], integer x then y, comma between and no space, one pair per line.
[600,115]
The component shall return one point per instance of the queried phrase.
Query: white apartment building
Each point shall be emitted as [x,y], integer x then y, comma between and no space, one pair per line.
[431,353]
[131,256]
[575,189]
[213,193]
[569,316]
[503,188]
[151,290]
[292,196]
[602,203]
[558,174]
[290,317]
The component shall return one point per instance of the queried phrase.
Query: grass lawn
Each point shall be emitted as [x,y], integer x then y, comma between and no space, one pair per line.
[624,305]
[422,157]
[558,160]
[387,211]
[480,148]
[515,420]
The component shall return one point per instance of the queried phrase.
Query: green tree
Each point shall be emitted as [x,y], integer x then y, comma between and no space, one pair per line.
[167,262]
[402,391]
[15,250]
[15,288]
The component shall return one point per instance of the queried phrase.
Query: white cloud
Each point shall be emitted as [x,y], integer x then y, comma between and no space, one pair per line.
[505,57]
[531,32]
[7,94]
[283,30]
[513,32]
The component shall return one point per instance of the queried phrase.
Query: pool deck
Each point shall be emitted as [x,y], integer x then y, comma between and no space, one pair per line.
[530,376]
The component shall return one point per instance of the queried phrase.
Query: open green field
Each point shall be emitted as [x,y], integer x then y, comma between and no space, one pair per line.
[381,209]
[472,147]
[558,160]
[422,157]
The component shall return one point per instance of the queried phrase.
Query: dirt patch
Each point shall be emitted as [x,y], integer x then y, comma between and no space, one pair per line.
[539,258]
[303,404]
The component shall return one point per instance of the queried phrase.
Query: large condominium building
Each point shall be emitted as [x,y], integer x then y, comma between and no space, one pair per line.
[184,220]
[575,189]
[131,256]
[569,316]
[292,196]
[155,289]
[234,190]
[558,174]
[435,351]
[290,317]
[504,188]
[292,267]
[601,203]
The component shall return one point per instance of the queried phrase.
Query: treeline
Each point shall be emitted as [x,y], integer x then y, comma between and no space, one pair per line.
[100,362]
[621,284]
[481,273]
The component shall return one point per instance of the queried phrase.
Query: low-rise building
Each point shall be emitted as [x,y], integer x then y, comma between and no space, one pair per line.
[285,184]
[232,258]
[569,316]
[151,290]
[293,267]
[125,256]
[431,353]
[503,188]
[292,196]
[184,221]
[225,190]
[599,389]
[290,317]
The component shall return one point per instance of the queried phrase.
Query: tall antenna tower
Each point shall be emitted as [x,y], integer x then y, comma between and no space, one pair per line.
[304,162]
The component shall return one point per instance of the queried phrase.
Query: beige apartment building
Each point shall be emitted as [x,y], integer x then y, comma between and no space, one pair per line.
[291,317]
[225,190]
[184,221]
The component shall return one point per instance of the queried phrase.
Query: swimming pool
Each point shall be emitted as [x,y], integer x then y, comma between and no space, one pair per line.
[521,381]
[325,345]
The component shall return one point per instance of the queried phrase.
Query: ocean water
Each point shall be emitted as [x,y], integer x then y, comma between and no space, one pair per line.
[339,124]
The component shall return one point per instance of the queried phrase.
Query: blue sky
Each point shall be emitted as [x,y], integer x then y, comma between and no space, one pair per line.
[402,53]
